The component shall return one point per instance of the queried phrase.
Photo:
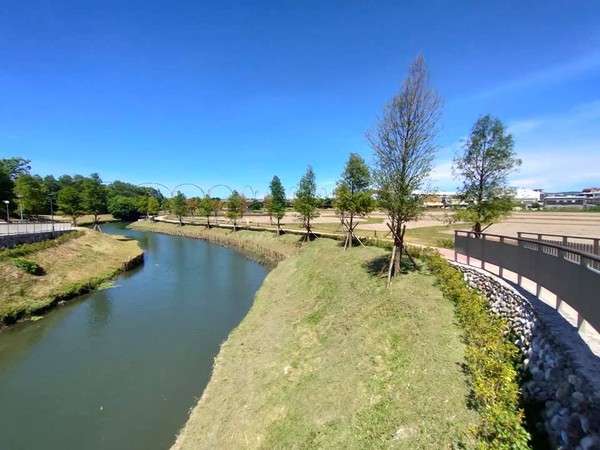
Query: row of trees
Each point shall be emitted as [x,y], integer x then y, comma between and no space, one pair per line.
[74,195]
[404,145]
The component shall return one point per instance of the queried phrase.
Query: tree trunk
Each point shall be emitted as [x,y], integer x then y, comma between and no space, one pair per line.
[350,234]
[477,229]
[278,227]
[391,266]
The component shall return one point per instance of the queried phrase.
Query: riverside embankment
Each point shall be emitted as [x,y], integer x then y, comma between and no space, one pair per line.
[327,357]
[75,265]
[121,367]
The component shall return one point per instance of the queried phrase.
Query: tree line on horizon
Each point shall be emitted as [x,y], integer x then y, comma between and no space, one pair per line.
[404,144]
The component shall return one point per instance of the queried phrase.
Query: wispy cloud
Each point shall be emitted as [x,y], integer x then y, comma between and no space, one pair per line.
[560,151]
[544,77]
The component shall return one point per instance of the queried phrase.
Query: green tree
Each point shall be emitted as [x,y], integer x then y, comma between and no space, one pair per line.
[206,208]
[305,203]
[268,207]
[34,195]
[178,206]
[218,205]
[192,205]
[353,196]
[255,205]
[16,166]
[6,184]
[404,143]
[235,208]
[51,184]
[70,203]
[94,197]
[152,207]
[124,208]
[488,158]
[278,201]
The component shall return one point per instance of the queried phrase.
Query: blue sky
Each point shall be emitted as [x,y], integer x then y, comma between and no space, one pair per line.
[235,92]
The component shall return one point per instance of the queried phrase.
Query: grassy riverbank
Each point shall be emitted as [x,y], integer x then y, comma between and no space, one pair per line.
[70,268]
[329,358]
[264,245]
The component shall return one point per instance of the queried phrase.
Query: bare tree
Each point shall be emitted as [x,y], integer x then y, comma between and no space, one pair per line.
[404,143]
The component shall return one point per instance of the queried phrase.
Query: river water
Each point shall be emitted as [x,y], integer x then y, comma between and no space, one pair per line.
[120,368]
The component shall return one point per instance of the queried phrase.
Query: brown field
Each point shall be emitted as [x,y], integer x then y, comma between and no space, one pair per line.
[585,224]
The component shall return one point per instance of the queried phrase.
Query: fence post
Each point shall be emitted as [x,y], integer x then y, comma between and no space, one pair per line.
[500,268]
[455,253]
[597,246]
[468,249]
[519,276]
[482,251]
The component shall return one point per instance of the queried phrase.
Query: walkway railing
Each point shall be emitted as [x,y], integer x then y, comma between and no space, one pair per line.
[582,244]
[32,227]
[570,274]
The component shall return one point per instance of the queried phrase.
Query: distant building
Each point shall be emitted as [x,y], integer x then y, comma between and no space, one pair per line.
[529,196]
[592,195]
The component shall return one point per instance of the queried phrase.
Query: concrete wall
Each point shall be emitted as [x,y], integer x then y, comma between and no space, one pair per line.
[12,240]
[560,371]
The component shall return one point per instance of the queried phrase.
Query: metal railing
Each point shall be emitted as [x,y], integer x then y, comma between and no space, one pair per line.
[582,244]
[13,228]
[570,274]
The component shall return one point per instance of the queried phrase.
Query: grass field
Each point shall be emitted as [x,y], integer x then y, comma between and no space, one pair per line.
[70,268]
[328,357]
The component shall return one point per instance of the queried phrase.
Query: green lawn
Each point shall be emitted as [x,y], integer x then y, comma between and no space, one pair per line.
[329,358]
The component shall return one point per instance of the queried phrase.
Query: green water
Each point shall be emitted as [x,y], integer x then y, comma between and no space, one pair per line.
[120,368]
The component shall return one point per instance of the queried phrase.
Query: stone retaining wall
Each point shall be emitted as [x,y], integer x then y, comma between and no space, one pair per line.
[560,371]
[12,240]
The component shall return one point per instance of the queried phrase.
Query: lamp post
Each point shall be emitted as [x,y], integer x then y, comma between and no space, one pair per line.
[20,197]
[6,202]
[51,212]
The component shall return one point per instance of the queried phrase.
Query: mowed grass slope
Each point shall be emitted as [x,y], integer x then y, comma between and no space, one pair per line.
[328,357]
[71,267]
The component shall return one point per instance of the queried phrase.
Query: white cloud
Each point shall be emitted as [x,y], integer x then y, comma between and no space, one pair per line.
[441,176]
[565,165]
[544,77]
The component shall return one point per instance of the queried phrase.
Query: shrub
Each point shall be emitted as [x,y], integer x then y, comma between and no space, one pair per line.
[491,362]
[445,243]
[28,266]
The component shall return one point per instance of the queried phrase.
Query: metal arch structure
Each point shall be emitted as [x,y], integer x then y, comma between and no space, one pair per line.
[218,185]
[326,193]
[158,184]
[253,191]
[189,184]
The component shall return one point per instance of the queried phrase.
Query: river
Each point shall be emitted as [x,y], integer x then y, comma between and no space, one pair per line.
[120,368]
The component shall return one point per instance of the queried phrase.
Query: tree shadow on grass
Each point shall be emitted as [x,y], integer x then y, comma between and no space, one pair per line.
[378,267]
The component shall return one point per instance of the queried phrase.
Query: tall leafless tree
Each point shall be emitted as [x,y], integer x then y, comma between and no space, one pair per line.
[404,143]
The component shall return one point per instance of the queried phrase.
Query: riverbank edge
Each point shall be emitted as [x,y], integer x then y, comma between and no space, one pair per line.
[251,250]
[72,291]
[514,430]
